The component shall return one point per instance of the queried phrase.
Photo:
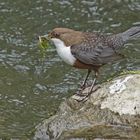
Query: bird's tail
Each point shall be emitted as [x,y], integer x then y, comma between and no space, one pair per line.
[132,33]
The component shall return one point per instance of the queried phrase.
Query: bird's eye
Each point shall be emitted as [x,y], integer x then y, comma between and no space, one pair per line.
[56,34]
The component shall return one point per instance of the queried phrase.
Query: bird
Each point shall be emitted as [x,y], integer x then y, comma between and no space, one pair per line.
[90,50]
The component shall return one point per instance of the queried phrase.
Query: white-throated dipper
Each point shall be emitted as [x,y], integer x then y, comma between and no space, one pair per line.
[90,51]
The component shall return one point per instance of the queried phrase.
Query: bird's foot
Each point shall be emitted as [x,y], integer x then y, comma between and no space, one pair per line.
[83,95]
[85,85]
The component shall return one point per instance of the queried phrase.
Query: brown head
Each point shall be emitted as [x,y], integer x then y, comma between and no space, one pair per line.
[68,36]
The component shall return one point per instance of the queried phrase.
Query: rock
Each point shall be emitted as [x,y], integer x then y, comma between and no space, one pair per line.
[111,112]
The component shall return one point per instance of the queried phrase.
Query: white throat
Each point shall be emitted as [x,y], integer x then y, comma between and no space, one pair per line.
[63,51]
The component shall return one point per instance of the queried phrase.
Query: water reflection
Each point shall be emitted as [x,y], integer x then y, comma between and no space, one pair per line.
[31,88]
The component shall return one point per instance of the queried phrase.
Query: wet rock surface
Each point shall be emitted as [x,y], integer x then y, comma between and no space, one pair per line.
[111,112]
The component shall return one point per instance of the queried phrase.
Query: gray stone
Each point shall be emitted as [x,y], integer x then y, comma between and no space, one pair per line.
[111,112]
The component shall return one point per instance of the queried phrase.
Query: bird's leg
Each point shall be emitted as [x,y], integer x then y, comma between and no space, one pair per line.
[93,88]
[81,96]
[82,86]
[85,80]
[93,84]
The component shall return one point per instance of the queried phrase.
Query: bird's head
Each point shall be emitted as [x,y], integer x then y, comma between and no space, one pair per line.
[67,36]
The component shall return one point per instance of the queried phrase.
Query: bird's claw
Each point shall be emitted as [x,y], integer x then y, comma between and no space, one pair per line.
[82,96]
[85,85]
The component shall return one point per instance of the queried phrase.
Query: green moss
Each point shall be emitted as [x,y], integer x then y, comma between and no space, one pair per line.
[43,45]
[130,72]
[43,42]
[125,72]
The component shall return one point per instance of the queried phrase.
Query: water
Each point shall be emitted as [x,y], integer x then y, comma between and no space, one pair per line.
[31,88]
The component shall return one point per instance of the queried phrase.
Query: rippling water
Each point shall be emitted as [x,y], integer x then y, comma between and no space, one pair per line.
[31,87]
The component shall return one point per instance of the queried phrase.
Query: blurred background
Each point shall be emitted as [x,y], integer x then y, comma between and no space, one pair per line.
[32,86]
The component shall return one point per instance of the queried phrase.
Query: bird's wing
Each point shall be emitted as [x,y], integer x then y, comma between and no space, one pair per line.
[94,55]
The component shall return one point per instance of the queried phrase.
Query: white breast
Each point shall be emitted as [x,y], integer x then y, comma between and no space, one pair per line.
[63,51]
